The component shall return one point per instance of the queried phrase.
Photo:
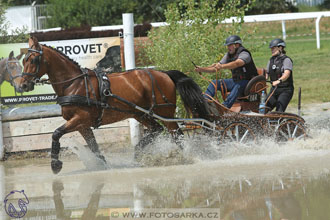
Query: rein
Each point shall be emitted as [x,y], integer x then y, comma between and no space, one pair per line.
[47,81]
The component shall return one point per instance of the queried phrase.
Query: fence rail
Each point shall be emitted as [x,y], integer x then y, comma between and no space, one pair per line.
[308,2]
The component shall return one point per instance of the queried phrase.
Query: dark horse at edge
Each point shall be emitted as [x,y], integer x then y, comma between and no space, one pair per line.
[79,93]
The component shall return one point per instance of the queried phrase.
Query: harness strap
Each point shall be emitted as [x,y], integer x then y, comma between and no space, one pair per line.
[87,92]
[81,101]
[104,91]
[152,90]
[92,88]
[78,100]
[154,103]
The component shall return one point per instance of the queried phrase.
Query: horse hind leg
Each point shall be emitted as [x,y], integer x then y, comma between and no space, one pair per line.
[90,139]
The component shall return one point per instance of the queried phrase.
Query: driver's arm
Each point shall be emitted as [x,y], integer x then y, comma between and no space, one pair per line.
[232,65]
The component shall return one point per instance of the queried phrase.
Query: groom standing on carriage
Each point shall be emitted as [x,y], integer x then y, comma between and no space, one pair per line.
[239,61]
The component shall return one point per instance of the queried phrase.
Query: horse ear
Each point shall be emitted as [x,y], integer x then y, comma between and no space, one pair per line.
[31,42]
[11,55]
[36,43]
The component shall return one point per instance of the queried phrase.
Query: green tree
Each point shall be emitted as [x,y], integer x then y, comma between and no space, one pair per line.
[271,7]
[325,5]
[3,24]
[147,11]
[194,34]
[76,13]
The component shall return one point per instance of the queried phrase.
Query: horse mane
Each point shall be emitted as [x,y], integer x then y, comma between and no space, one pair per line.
[63,54]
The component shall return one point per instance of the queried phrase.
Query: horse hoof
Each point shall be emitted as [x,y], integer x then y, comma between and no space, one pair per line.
[56,166]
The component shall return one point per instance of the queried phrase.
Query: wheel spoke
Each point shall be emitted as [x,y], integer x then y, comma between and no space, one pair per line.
[295,131]
[284,134]
[236,133]
[289,131]
[245,134]
[301,136]
[230,135]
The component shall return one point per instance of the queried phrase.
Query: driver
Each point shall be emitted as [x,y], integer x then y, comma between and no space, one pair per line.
[239,61]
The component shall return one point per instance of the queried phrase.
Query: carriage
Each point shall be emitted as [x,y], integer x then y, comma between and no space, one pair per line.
[90,99]
[243,123]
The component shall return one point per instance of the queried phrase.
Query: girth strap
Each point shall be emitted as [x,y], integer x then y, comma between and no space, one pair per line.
[154,102]
[79,100]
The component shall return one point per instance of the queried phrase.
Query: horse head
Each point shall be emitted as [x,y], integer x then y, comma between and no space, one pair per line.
[32,66]
[11,70]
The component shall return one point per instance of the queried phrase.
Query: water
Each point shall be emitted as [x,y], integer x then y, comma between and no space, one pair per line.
[268,181]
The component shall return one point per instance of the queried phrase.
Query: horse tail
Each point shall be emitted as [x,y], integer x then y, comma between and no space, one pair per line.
[190,93]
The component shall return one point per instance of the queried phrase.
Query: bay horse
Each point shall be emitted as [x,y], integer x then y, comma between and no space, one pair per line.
[85,103]
[10,70]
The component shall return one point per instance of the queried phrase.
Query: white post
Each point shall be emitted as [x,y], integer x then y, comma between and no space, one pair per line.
[2,147]
[34,17]
[317,30]
[283,29]
[129,53]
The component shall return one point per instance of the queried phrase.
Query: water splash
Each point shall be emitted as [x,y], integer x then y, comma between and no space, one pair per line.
[89,159]
[202,148]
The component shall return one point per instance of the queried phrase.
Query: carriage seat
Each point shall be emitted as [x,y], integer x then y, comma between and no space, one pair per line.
[255,84]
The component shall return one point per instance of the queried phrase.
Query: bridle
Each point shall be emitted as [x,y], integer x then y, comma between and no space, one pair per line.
[37,63]
[11,77]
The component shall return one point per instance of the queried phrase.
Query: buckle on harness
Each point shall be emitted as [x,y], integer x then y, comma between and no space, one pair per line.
[106,92]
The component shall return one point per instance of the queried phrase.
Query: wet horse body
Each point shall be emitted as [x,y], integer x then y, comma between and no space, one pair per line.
[150,89]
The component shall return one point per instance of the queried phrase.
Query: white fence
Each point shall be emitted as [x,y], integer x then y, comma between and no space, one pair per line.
[308,2]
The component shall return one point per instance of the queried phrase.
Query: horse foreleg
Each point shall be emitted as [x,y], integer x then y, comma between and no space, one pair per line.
[90,139]
[155,129]
[56,164]
[176,133]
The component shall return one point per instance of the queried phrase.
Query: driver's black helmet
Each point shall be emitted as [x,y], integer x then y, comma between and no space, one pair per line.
[276,43]
[233,39]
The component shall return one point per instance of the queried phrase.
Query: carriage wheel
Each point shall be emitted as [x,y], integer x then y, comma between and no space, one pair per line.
[239,133]
[289,131]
